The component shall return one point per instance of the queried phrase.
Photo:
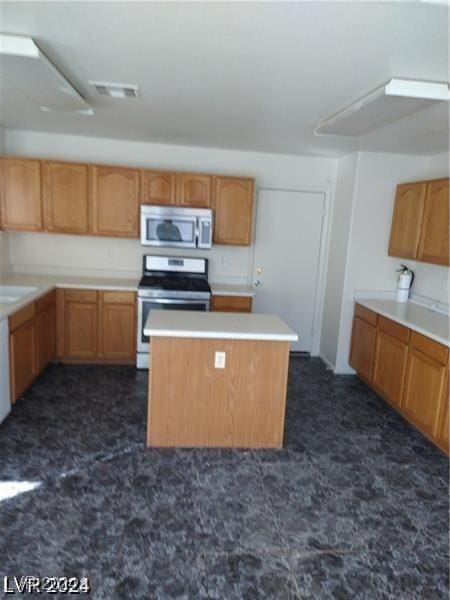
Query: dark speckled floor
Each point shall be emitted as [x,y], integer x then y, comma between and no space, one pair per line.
[354,506]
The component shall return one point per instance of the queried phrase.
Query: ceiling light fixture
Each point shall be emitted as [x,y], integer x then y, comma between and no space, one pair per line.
[115,90]
[24,66]
[393,100]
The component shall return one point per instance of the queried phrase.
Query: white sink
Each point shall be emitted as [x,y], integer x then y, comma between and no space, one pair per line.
[9,294]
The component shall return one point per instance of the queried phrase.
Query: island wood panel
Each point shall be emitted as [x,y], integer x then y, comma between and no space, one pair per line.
[434,242]
[191,403]
[158,187]
[20,189]
[114,201]
[443,439]
[66,205]
[407,219]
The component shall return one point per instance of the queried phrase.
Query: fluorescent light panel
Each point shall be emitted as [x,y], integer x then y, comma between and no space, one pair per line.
[25,67]
[388,103]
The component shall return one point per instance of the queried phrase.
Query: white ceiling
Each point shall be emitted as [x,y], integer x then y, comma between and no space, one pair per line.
[245,75]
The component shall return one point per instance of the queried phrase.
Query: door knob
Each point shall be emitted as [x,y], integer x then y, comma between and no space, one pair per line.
[257,282]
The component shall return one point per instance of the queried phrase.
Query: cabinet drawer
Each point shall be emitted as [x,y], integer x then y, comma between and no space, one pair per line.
[429,347]
[80,295]
[395,330]
[119,297]
[366,315]
[21,316]
[45,301]
[232,303]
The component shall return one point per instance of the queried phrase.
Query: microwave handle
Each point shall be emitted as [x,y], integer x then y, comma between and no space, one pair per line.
[200,244]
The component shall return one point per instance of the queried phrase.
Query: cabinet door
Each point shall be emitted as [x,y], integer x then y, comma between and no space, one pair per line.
[22,354]
[407,219]
[66,197]
[115,201]
[80,324]
[45,337]
[118,325]
[232,303]
[233,210]
[362,347]
[434,245]
[424,391]
[158,187]
[194,189]
[444,421]
[389,368]
[21,200]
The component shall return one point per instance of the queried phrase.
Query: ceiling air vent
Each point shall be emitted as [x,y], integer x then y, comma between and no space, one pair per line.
[116,90]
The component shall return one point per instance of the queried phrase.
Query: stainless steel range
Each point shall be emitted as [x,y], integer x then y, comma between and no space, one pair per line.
[169,283]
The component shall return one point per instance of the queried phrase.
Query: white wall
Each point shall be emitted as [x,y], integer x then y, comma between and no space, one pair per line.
[57,253]
[338,247]
[368,265]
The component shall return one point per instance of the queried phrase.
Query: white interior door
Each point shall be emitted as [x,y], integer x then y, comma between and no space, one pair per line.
[286,260]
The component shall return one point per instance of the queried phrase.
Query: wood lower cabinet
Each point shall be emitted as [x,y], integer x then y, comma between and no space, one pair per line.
[118,325]
[45,331]
[231,303]
[114,201]
[426,384]
[66,205]
[362,348]
[233,210]
[20,189]
[96,326]
[434,243]
[409,370]
[80,324]
[22,356]
[389,367]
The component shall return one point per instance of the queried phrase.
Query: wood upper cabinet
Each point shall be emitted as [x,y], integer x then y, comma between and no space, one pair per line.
[231,303]
[118,324]
[80,327]
[434,242]
[66,204]
[391,354]
[194,189]
[426,384]
[233,210]
[22,356]
[362,348]
[21,198]
[407,219]
[158,187]
[115,201]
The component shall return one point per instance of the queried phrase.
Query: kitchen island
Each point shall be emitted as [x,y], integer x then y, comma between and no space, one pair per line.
[217,379]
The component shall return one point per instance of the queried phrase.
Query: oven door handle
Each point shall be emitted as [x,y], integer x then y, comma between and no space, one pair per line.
[173,300]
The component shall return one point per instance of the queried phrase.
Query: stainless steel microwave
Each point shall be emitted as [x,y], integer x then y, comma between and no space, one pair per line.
[176,226]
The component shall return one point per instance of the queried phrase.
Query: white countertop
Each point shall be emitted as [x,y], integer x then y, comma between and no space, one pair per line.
[430,323]
[218,325]
[230,289]
[46,283]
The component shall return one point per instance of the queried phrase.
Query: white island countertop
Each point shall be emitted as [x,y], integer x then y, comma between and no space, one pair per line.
[218,325]
[430,323]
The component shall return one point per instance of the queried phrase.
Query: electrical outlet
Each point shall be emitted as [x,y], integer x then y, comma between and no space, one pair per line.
[219,360]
